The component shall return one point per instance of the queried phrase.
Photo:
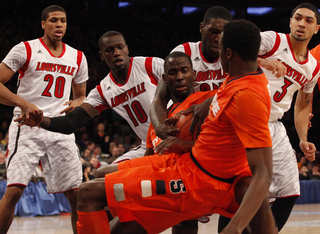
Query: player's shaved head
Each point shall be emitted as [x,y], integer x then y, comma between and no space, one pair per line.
[216,12]
[110,34]
[45,13]
[176,54]
[310,7]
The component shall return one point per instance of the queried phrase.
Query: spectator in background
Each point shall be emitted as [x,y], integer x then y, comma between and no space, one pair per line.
[2,166]
[302,162]
[86,154]
[91,145]
[304,173]
[86,171]
[98,152]
[121,149]
[4,142]
[101,138]
[315,173]
[95,163]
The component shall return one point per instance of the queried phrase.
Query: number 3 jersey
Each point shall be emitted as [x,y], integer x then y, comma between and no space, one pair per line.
[44,79]
[304,75]
[132,100]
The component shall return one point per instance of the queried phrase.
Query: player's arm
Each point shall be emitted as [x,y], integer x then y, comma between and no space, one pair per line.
[149,151]
[64,124]
[158,112]
[275,66]
[79,94]
[260,162]
[301,119]
[6,96]
[174,144]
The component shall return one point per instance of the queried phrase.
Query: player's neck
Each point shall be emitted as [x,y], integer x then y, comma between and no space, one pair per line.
[120,76]
[299,48]
[240,67]
[55,47]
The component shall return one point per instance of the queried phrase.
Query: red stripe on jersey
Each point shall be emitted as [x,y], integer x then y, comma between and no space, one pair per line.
[23,69]
[45,46]
[101,95]
[79,59]
[148,65]
[187,49]
[275,47]
[294,57]
[202,56]
[129,71]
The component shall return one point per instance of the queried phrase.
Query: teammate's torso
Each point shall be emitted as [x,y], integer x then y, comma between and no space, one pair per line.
[132,100]
[209,75]
[299,75]
[45,80]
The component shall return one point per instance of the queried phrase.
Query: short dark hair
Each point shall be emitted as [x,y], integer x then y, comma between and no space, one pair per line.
[45,13]
[216,12]
[176,54]
[309,6]
[243,37]
[109,34]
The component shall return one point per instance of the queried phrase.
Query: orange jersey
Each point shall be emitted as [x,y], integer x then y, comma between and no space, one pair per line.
[238,119]
[316,54]
[195,98]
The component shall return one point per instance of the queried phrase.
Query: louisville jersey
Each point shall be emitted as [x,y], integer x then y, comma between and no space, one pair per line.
[132,100]
[238,119]
[44,79]
[209,75]
[196,98]
[304,75]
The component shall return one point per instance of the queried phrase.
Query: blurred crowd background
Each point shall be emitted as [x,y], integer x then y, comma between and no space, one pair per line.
[151,28]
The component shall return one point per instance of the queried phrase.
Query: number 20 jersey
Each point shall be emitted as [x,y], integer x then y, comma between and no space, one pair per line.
[132,100]
[44,79]
[304,75]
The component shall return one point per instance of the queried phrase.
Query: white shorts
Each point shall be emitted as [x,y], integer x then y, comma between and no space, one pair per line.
[285,180]
[58,153]
[136,152]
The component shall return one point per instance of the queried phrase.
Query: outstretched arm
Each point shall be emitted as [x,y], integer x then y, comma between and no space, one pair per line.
[64,124]
[158,112]
[275,66]
[301,120]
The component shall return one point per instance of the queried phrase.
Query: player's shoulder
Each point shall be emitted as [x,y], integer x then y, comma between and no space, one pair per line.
[184,47]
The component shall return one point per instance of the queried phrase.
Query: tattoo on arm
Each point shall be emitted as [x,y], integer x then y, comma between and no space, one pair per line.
[82,85]
[308,97]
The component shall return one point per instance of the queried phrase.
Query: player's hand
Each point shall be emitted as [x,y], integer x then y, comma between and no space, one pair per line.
[72,104]
[30,117]
[200,113]
[275,66]
[167,129]
[308,149]
[309,123]
[175,145]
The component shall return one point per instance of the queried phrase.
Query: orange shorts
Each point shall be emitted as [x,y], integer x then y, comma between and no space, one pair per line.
[161,191]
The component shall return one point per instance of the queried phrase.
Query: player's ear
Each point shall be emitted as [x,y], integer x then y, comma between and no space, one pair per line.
[201,27]
[194,74]
[318,27]
[164,78]
[100,54]
[229,53]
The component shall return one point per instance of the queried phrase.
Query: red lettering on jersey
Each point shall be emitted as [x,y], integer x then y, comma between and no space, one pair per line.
[130,93]
[41,66]
[295,75]
[211,75]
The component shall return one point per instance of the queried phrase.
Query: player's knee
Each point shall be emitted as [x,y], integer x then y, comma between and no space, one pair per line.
[84,194]
[102,171]
[14,193]
[241,188]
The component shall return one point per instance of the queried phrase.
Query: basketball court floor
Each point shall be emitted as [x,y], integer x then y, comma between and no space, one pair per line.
[305,219]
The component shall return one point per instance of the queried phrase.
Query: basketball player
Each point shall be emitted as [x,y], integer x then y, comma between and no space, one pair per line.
[165,190]
[48,69]
[206,61]
[302,75]
[128,89]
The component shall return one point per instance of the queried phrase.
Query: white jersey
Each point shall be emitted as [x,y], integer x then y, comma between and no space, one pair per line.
[132,100]
[209,75]
[45,80]
[277,46]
